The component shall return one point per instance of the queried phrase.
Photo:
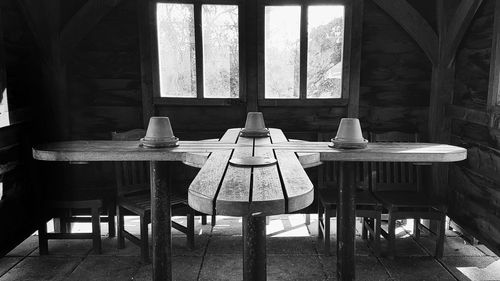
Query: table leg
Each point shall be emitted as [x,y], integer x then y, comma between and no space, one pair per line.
[254,248]
[346,222]
[161,221]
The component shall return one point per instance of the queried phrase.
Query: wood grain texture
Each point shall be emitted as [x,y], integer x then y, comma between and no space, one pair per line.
[494,78]
[204,187]
[392,152]
[299,189]
[267,193]
[235,192]
[121,151]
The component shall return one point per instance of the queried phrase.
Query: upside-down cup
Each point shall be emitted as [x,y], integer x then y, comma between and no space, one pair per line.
[159,133]
[349,134]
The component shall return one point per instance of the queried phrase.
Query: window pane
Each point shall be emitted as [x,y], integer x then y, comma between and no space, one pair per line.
[176,50]
[324,52]
[282,51]
[221,71]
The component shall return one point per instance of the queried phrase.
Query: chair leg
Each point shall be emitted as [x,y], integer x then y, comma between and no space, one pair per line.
[96,230]
[416,228]
[440,237]
[144,239]
[111,221]
[364,231]
[327,231]
[376,236]
[392,235]
[320,221]
[213,220]
[268,219]
[43,243]
[120,228]
[203,219]
[190,227]
[308,219]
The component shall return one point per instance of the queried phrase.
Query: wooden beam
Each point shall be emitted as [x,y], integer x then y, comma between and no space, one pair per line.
[83,21]
[355,61]
[456,29]
[416,26]
[146,65]
[494,81]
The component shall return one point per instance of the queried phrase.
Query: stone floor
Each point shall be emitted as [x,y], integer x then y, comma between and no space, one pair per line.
[294,253]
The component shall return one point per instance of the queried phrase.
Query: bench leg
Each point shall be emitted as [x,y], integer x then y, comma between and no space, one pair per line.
[254,248]
[190,227]
[43,243]
[144,239]
[203,219]
[96,230]
[120,228]
[392,235]
[416,228]
[111,221]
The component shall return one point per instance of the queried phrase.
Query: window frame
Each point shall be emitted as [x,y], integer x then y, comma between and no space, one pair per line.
[199,99]
[346,55]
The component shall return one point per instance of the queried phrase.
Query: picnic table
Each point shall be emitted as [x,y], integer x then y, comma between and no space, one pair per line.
[284,152]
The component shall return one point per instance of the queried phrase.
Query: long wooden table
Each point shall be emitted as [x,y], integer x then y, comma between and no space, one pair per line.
[159,157]
[253,192]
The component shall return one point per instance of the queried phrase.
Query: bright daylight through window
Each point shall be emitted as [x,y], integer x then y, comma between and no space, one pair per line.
[178,57]
[325,34]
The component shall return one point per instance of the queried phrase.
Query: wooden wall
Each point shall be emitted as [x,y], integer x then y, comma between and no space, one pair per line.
[104,93]
[474,194]
[18,76]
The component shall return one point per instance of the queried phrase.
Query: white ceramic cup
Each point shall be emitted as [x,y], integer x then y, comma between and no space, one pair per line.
[349,130]
[255,122]
[159,129]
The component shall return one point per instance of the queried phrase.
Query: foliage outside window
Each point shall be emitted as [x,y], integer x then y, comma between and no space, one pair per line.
[313,37]
[198,50]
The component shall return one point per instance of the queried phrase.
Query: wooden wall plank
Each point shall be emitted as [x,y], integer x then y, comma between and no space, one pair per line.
[494,78]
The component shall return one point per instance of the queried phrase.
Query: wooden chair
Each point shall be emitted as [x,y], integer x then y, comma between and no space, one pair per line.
[398,186]
[77,205]
[367,206]
[132,179]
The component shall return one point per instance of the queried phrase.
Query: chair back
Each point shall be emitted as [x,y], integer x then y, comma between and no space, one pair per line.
[131,176]
[329,172]
[395,176]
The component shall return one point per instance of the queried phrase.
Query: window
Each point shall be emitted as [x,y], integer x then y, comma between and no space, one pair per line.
[198,50]
[303,56]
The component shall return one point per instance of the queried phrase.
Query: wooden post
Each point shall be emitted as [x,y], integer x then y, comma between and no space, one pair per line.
[254,248]
[161,221]
[346,227]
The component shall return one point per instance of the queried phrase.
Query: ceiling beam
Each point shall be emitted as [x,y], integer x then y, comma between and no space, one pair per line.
[457,27]
[413,23]
[83,21]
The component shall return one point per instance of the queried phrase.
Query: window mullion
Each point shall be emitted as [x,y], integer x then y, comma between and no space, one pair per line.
[303,53]
[198,40]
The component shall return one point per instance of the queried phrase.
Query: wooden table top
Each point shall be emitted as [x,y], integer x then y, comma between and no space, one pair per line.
[243,190]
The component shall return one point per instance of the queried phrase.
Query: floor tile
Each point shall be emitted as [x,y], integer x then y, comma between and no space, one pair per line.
[302,267]
[7,263]
[473,268]
[25,248]
[222,268]
[105,268]
[183,269]
[367,269]
[453,246]
[405,269]
[73,247]
[42,268]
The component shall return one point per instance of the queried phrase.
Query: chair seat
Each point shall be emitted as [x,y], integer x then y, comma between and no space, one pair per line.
[329,196]
[392,199]
[141,203]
